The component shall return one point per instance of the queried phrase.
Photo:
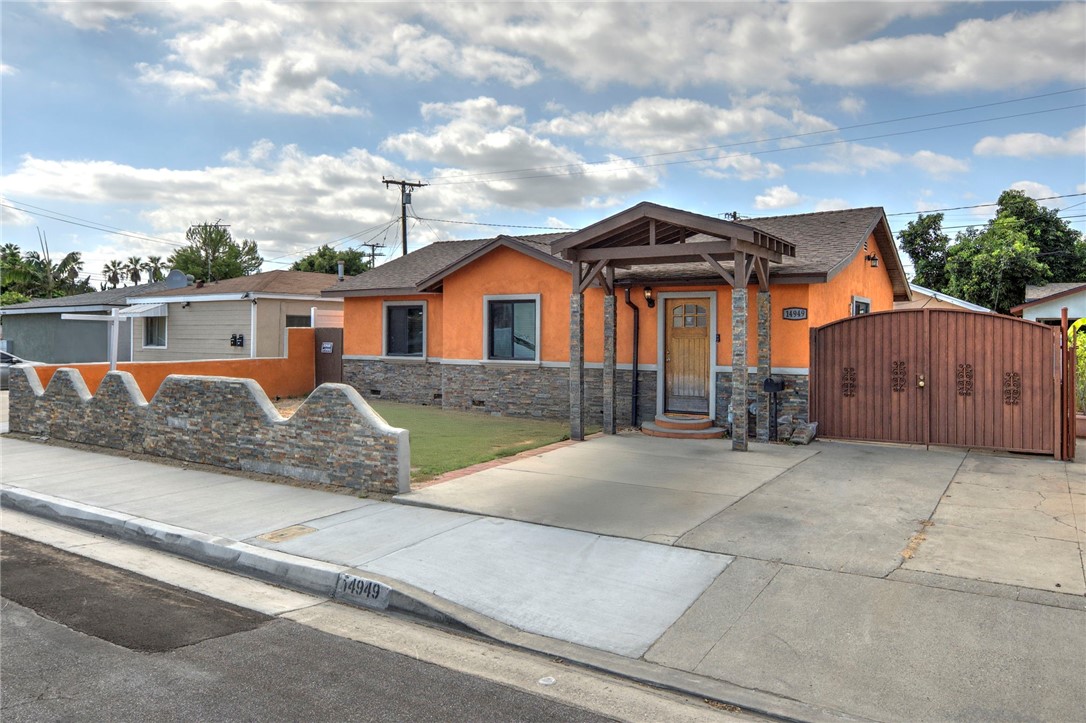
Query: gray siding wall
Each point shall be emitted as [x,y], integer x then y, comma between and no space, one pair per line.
[202,331]
[271,320]
[50,339]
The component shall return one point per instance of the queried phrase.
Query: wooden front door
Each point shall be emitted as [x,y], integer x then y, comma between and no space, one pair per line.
[686,356]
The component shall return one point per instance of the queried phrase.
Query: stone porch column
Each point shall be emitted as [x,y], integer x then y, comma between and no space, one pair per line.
[609,364]
[765,368]
[576,366]
[739,369]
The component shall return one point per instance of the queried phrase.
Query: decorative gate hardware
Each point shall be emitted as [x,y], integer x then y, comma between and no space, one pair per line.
[848,382]
[1012,387]
[965,380]
[899,376]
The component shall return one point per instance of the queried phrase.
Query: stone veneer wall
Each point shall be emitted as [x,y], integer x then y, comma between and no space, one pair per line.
[793,400]
[334,438]
[505,389]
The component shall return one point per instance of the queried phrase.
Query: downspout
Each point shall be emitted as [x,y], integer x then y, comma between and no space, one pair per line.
[636,339]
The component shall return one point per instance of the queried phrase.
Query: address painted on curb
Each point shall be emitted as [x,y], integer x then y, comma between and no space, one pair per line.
[361,591]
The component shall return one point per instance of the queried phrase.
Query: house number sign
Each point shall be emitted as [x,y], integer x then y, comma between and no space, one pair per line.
[795,313]
[326,347]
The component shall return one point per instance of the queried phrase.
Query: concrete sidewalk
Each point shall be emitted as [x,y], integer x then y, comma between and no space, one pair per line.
[785,639]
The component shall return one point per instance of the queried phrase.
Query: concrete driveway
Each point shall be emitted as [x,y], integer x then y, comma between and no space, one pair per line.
[855,508]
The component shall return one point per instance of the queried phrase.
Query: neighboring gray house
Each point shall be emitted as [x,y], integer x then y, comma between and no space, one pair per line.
[242,317]
[35,330]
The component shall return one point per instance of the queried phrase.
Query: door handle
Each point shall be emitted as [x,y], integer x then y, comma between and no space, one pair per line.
[667,355]
[920,380]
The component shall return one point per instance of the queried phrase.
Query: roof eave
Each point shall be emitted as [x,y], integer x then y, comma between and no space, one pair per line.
[431,281]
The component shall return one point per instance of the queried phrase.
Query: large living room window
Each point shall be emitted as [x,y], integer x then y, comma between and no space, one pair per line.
[154,331]
[512,328]
[405,328]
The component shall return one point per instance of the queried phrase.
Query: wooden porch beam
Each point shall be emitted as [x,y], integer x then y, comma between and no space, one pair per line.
[689,252]
[720,269]
[761,268]
[583,284]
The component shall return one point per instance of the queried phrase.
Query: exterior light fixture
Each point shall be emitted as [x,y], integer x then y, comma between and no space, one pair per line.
[186,305]
[649,301]
[873,260]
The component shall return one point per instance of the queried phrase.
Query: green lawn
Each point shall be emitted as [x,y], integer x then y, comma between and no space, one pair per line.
[444,440]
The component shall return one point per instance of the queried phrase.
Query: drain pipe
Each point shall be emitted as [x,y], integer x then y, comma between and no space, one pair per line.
[634,397]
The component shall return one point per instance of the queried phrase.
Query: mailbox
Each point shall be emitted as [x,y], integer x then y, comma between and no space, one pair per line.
[773,386]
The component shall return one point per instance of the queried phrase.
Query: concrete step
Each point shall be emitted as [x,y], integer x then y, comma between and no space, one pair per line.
[654,430]
[683,421]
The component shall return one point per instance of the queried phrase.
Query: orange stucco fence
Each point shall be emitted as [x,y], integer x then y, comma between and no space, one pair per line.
[289,376]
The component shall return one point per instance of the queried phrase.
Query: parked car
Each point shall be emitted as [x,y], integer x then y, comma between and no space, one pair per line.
[7,359]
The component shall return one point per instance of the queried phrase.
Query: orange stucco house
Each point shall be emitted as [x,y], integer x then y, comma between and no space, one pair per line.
[646,301]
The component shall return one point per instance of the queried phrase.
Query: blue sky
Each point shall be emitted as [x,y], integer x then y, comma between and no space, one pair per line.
[281,119]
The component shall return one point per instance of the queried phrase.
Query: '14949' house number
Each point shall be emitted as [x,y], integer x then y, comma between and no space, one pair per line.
[795,313]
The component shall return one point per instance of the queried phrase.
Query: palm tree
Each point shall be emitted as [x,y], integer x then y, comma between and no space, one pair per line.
[132,268]
[155,268]
[113,271]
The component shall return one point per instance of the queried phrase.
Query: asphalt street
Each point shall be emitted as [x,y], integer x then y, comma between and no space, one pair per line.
[84,641]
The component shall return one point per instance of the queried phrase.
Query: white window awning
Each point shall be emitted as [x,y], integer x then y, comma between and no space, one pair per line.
[143,310]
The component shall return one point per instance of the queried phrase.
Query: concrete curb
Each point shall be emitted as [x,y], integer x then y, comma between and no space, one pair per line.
[322,579]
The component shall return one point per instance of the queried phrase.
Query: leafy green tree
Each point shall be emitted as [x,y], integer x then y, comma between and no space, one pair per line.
[325,260]
[1061,247]
[1024,244]
[992,267]
[8,298]
[926,244]
[36,275]
[213,254]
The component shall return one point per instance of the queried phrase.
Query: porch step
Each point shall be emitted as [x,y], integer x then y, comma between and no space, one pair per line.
[653,429]
[683,421]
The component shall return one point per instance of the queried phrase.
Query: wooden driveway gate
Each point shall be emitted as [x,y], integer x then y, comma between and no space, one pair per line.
[932,376]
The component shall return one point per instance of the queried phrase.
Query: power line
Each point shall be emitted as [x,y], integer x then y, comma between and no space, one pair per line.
[496,225]
[460,179]
[93,225]
[980,205]
[405,201]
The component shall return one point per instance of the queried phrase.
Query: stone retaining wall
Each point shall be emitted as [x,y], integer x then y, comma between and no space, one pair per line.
[502,389]
[334,438]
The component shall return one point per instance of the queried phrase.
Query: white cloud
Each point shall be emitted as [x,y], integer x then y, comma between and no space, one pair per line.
[176,81]
[832,204]
[482,140]
[854,158]
[937,164]
[6,69]
[851,104]
[1033,189]
[309,58]
[745,168]
[1032,145]
[1018,49]
[777,197]
[13,216]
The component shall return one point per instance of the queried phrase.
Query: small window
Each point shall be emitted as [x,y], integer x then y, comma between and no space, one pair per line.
[511,329]
[860,306]
[404,330]
[689,316]
[298,320]
[154,331]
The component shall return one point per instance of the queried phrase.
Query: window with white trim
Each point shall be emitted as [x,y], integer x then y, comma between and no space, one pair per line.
[512,329]
[405,329]
[154,331]
[860,306]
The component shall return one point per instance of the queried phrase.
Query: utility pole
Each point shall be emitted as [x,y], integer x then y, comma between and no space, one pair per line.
[405,199]
[373,252]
